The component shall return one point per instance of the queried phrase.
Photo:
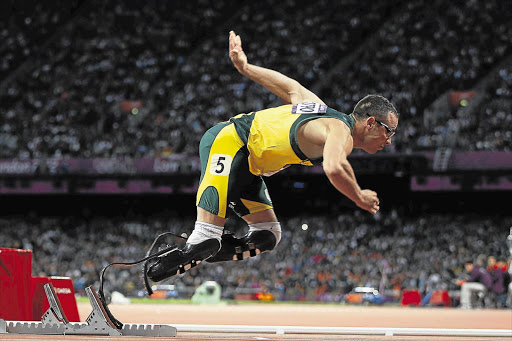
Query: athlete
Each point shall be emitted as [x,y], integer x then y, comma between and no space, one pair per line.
[236,154]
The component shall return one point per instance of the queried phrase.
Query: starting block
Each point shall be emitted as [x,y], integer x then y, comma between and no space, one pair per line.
[55,322]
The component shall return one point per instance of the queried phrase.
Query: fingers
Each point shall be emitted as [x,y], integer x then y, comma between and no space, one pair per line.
[374,209]
[235,42]
[375,206]
[232,38]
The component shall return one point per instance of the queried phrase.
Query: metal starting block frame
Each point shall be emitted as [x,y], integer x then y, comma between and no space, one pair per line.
[55,322]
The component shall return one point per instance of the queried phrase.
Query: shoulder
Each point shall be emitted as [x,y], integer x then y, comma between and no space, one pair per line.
[329,123]
[321,129]
[335,132]
[335,118]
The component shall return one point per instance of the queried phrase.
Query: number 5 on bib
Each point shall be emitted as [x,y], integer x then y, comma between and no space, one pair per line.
[220,164]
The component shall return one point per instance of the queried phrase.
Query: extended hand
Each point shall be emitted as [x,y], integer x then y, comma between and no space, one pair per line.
[369,201]
[236,53]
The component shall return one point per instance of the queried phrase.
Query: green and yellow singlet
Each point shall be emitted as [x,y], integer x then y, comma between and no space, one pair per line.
[271,134]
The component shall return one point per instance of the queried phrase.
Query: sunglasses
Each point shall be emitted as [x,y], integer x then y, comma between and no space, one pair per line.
[390,132]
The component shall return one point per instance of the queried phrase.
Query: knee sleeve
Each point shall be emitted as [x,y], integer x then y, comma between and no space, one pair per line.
[203,231]
[272,226]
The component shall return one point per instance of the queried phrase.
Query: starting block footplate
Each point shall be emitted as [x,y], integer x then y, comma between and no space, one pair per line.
[55,322]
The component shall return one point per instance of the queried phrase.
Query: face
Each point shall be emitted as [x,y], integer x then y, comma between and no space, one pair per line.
[469,267]
[379,132]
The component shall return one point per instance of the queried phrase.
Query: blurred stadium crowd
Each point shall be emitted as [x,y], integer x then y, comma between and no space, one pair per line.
[320,263]
[66,68]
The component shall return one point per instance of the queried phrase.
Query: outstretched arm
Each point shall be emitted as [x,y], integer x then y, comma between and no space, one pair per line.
[285,87]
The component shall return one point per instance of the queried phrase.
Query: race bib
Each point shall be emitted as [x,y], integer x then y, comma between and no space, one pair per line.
[309,108]
[220,164]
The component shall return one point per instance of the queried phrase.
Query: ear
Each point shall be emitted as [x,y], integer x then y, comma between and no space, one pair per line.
[370,121]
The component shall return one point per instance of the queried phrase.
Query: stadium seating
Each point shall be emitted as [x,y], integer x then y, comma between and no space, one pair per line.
[67,99]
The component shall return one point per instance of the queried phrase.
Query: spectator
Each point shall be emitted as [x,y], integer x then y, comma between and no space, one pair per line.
[478,283]
[498,280]
[506,299]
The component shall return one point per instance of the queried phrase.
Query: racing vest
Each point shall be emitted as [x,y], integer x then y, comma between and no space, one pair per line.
[271,134]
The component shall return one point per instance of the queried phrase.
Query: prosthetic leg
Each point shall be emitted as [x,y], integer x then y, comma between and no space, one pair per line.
[261,238]
[178,261]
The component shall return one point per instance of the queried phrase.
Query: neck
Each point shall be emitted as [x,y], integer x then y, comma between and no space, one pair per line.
[357,132]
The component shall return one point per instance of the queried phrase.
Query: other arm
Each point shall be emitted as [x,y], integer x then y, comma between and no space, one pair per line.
[285,87]
[338,145]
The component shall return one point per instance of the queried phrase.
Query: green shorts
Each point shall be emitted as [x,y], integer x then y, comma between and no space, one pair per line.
[225,177]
